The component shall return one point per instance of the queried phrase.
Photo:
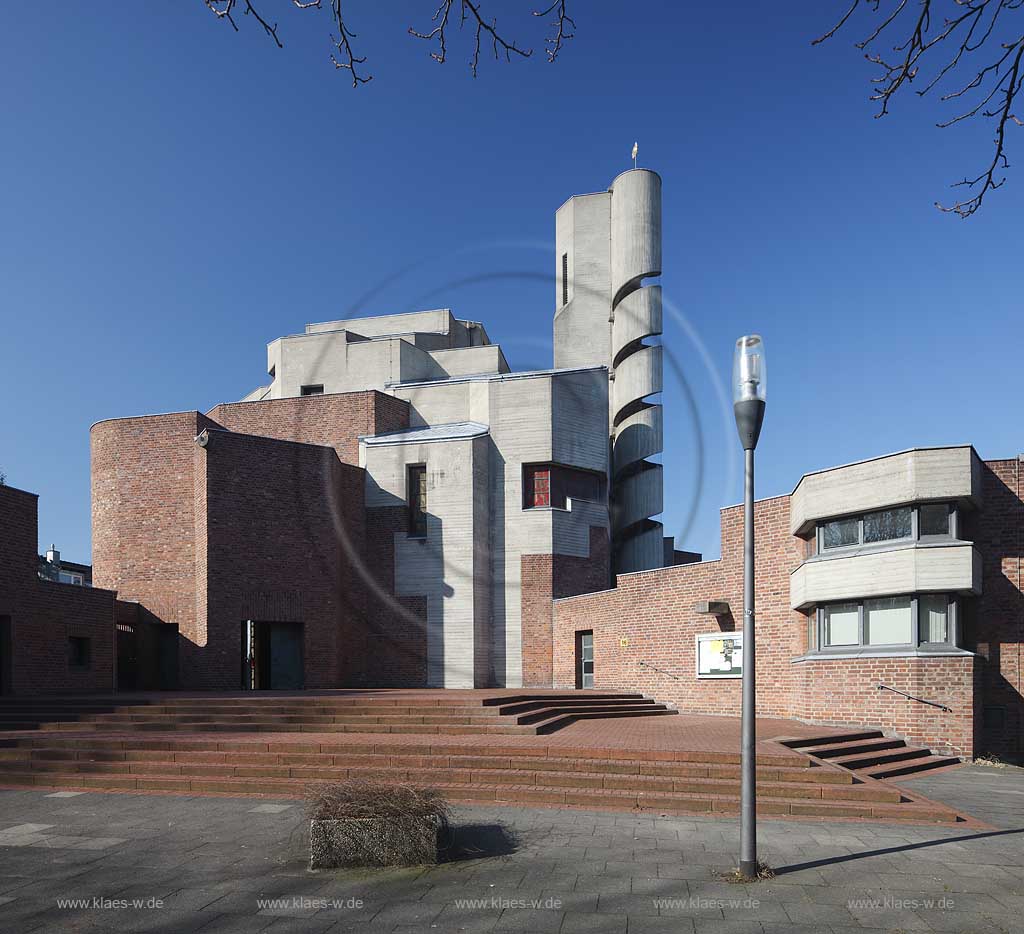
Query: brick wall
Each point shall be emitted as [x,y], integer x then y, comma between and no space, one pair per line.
[43,615]
[649,618]
[544,578]
[994,627]
[164,526]
[336,420]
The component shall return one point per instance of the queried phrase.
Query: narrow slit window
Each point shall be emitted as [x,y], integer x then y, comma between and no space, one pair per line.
[416,498]
[565,278]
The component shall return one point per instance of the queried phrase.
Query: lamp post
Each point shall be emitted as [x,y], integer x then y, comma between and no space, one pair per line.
[748,386]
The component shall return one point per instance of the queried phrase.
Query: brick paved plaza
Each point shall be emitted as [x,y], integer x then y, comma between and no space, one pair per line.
[174,864]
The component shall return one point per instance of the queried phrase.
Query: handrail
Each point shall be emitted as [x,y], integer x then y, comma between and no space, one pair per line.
[920,700]
[644,664]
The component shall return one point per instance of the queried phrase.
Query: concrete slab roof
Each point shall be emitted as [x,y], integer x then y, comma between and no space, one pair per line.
[456,431]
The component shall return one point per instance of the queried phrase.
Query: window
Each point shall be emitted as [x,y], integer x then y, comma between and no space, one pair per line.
[67,577]
[934,620]
[537,487]
[902,523]
[315,390]
[841,624]
[416,497]
[888,621]
[565,278]
[887,525]
[79,652]
[908,620]
[840,532]
[554,485]
[934,519]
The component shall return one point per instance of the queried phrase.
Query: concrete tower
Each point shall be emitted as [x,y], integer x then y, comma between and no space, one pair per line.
[606,244]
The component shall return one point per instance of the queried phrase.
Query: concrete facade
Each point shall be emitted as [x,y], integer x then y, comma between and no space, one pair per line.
[606,245]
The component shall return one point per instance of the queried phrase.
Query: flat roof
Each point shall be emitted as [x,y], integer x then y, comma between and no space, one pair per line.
[485,377]
[455,431]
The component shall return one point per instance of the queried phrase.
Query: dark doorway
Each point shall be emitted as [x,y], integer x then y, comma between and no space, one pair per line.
[6,656]
[127,657]
[585,659]
[272,656]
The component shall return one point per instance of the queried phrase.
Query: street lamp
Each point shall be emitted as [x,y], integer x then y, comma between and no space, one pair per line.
[748,387]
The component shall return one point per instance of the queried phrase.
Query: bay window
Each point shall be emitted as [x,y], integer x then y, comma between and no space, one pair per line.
[905,621]
[926,522]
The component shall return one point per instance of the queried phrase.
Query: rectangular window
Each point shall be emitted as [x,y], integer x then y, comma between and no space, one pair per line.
[888,621]
[934,519]
[841,624]
[888,525]
[840,532]
[317,390]
[537,487]
[565,278]
[67,577]
[933,617]
[416,498]
[78,652]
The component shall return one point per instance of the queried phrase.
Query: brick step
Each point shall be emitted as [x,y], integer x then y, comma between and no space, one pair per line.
[521,707]
[875,792]
[564,720]
[467,760]
[170,726]
[243,720]
[548,712]
[830,740]
[503,793]
[872,754]
[317,710]
[917,765]
[899,754]
[843,749]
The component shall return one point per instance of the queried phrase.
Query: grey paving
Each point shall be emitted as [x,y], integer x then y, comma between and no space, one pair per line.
[170,864]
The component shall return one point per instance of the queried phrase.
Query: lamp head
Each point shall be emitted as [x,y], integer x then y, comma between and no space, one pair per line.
[749,383]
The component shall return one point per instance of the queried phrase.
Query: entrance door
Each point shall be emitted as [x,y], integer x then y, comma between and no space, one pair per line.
[585,659]
[272,656]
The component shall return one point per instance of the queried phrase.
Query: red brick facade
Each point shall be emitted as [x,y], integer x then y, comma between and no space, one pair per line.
[265,522]
[645,629]
[544,578]
[39,617]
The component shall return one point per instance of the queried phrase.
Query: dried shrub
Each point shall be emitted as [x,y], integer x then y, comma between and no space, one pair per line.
[374,824]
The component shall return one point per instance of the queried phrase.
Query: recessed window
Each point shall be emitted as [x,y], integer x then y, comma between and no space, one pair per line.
[79,654]
[907,620]
[888,621]
[934,519]
[416,499]
[934,617]
[840,532]
[902,523]
[565,278]
[314,390]
[887,525]
[554,485]
[841,624]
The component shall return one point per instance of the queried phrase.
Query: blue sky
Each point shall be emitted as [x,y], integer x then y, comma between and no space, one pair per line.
[176,195]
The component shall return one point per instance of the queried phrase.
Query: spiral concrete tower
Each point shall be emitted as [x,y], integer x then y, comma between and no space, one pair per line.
[607,244]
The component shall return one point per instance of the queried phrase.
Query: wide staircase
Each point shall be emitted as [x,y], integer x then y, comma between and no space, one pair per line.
[475,746]
[872,754]
[661,782]
[507,714]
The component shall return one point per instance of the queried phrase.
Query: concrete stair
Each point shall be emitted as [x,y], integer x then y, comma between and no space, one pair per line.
[872,754]
[665,782]
[526,714]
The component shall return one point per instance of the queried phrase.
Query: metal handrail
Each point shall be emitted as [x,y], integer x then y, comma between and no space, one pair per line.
[920,700]
[662,671]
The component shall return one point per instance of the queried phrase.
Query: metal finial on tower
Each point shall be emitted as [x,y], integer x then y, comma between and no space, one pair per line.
[634,154]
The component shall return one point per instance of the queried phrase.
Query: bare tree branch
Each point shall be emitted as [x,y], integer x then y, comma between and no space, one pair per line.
[967,27]
[563,22]
[468,10]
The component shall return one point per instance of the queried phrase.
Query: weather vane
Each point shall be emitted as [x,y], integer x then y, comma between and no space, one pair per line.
[634,155]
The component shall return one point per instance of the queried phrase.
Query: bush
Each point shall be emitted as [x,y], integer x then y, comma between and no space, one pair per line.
[374,824]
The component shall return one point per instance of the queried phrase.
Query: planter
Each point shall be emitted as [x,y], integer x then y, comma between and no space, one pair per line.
[372,841]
